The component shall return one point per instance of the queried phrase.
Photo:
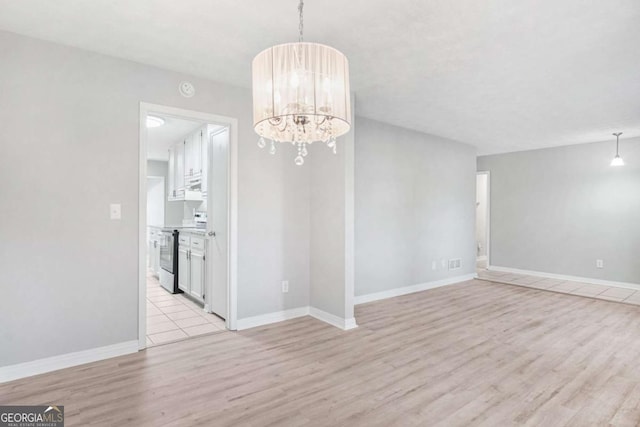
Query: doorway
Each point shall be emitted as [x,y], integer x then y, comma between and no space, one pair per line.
[187,224]
[483,215]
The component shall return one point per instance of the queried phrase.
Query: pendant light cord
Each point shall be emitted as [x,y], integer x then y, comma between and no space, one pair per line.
[617,142]
[301,25]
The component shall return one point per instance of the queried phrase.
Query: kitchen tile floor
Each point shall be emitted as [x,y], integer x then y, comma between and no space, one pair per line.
[609,293]
[175,317]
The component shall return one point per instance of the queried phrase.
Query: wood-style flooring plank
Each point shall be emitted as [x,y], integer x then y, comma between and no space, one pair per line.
[476,353]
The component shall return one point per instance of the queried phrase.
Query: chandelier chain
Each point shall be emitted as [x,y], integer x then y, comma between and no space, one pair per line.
[301,24]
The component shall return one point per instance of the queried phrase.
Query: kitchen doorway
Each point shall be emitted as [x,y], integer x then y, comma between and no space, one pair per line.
[188,236]
[483,223]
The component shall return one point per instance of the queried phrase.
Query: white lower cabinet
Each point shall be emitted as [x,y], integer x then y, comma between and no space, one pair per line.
[191,266]
[197,274]
[183,268]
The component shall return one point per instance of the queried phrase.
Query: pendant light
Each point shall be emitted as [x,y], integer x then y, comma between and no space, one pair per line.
[617,160]
[300,95]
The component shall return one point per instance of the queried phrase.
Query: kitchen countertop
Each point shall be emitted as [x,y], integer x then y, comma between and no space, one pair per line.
[192,230]
[181,228]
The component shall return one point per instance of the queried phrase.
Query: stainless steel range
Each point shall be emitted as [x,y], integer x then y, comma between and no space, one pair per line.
[169,260]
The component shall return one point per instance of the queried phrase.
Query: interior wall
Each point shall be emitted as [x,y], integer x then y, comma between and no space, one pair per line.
[172,210]
[70,129]
[481,215]
[558,210]
[331,225]
[414,206]
[327,233]
[155,200]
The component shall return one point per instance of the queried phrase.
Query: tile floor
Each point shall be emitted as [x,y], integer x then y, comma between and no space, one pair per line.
[175,317]
[610,293]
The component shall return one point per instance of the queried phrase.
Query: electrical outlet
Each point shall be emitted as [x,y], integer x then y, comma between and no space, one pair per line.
[285,286]
[599,263]
[455,264]
[115,211]
[434,265]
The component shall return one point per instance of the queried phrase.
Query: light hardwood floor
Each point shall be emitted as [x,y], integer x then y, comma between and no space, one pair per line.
[476,353]
[609,293]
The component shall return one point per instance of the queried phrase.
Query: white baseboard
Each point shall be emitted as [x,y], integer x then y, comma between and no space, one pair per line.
[276,316]
[280,316]
[332,319]
[361,299]
[589,280]
[40,366]
[350,324]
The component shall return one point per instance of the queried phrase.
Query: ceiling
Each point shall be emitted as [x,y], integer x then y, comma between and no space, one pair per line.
[160,138]
[502,75]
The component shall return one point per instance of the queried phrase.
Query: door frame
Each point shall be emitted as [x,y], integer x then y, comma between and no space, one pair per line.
[488,216]
[232,209]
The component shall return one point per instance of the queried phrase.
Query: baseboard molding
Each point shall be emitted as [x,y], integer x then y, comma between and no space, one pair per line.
[362,299]
[280,316]
[589,280]
[267,319]
[338,322]
[41,366]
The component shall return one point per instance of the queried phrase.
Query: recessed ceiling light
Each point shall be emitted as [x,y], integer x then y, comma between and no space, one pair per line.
[154,122]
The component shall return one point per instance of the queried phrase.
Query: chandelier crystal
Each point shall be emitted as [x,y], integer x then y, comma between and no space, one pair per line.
[300,95]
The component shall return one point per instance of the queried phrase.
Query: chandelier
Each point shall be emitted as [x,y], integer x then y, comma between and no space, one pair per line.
[300,95]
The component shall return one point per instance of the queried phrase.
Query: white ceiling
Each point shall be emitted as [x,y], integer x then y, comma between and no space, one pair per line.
[503,75]
[160,138]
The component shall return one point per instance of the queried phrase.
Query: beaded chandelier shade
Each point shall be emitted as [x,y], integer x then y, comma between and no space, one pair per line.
[300,95]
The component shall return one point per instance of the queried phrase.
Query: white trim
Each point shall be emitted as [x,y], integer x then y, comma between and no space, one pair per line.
[281,316]
[626,285]
[362,299]
[349,220]
[48,364]
[232,286]
[350,324]
[274,317]
[142,230]
[488,217]
[332,319]
[481,258]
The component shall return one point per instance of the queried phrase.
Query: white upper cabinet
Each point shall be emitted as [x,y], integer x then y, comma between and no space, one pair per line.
[172,173]
[179,169]
[187,167]
[192,157]
[204,161]
[193,163]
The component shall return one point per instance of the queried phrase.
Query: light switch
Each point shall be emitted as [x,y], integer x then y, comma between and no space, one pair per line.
[115,211]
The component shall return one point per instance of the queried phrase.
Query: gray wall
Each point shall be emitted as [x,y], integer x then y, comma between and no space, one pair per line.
[557,210]
[69,139]
[331,201]
[414,204]
[173,211]
[327,249]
